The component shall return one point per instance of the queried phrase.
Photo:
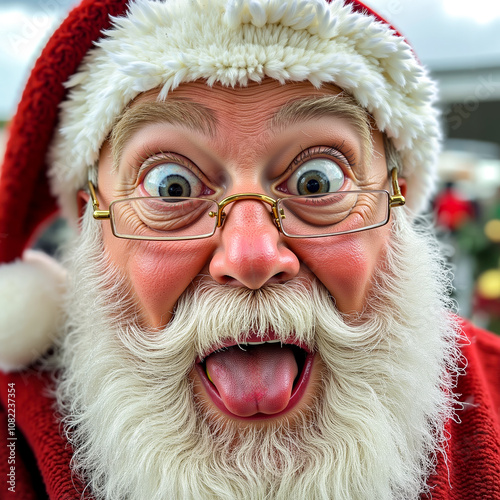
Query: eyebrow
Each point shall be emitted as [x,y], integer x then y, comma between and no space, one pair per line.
[191,115]
[340,105]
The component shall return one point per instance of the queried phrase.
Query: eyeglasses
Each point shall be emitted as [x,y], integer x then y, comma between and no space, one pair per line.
[305,216]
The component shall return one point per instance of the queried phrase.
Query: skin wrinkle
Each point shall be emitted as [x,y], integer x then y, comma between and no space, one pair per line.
[191,115]
[199,118]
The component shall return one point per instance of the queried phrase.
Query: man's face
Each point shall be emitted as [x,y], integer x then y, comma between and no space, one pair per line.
[243,141]
[350,402]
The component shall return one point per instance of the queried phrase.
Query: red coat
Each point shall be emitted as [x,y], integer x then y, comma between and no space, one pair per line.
[43,456]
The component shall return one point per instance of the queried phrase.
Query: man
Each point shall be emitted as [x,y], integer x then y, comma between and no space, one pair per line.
[249,311]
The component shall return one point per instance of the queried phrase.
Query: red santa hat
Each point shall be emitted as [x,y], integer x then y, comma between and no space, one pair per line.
[108,51]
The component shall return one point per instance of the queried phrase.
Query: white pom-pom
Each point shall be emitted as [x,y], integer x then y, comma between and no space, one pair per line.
[30,308]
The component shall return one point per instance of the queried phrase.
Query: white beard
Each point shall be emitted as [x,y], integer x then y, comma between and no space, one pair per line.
[374,431]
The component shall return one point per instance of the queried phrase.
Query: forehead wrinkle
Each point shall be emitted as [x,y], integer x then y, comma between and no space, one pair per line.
[340,105]
[186,114]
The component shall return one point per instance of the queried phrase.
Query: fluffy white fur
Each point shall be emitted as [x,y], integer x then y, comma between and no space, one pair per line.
[372,434]
[161,44]
[37,282]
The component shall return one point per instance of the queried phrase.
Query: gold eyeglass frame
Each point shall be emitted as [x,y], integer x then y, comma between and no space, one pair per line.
[395,200]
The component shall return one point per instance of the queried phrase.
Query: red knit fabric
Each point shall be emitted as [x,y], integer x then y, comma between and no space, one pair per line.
[25,199]
[472,472]
[36,420]
[23,489]
[474,450]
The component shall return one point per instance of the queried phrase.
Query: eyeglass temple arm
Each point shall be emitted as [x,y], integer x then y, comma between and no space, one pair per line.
[397,199]
[98,214]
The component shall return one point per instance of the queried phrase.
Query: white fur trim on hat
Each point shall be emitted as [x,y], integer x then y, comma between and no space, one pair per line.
[30,298]
[162,44]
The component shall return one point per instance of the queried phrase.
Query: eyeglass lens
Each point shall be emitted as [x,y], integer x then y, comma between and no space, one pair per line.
[334,213]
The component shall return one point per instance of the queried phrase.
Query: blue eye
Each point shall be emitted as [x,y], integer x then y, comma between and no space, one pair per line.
[316,176]
[171,179]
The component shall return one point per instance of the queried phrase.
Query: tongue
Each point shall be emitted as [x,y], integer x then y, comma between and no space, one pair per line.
[258,379]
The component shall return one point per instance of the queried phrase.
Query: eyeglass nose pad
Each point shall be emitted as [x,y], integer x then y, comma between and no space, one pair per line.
[221,218]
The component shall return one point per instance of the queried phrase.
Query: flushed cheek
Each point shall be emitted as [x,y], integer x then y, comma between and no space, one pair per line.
[345,267]
[159,272]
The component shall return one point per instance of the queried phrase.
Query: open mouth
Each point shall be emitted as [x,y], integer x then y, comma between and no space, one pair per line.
[259,378]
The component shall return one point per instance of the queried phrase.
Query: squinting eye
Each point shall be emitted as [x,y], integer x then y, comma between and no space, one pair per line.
[316,176]
[171,179]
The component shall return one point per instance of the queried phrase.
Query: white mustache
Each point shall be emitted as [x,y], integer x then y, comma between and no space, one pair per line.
[209,314]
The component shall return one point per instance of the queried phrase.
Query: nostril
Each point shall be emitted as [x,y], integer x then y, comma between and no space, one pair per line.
[280,277]
[226,279]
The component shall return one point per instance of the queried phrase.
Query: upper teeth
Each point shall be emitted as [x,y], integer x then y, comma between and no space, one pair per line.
[259,343]
[242,345]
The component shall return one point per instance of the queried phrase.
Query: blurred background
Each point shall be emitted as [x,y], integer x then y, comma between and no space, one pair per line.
[459,42]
